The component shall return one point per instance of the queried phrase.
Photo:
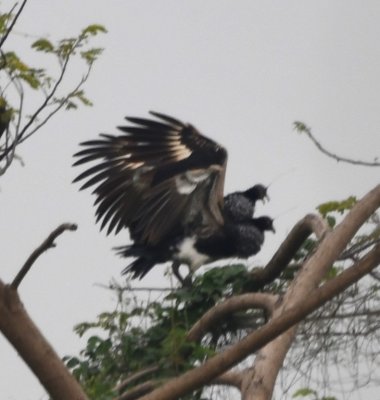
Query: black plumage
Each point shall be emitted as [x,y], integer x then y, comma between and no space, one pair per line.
[242,240]
[238,206]
[164,181]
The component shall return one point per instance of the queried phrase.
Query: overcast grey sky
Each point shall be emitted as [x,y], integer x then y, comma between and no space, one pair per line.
[241,72]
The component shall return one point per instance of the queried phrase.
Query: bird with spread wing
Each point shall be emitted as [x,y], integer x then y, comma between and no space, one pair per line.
[164,181]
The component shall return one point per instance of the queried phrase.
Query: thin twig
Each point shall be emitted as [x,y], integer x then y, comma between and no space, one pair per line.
[48,97]
[4,38]
[139,390]
[134,377]
[58,107]
[303,128]
[355,314]
[136,289]
[47,244]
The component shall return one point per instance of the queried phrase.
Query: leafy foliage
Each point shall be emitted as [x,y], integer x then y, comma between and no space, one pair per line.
[153,333]
[311,394]
[138,336]
[20,118]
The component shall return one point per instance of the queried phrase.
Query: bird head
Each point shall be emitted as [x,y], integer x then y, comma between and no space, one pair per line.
[257,192]
[264,223]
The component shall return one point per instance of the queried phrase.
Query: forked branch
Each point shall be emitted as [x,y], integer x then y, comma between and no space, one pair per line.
[307,300]
[48,243]
[234,304]
[308,225]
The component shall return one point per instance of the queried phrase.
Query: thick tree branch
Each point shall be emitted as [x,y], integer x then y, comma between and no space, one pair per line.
[270,358]
[242,302]
[311,223]
[296,309]
[47,244]
[229,378]
[28,341]
[215,366]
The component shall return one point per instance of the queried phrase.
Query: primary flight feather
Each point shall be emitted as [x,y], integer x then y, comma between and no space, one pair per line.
[164,181]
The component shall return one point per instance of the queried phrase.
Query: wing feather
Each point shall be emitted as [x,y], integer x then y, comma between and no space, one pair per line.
[157,178]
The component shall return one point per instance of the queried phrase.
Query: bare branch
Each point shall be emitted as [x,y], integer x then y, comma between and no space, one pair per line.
[242,302]
[31,345]
[302,128]
[134,377]
[297,307]
[355,314]
[311,223]
[271,357]
[229,378]
[47,244]
[357,248]
[139,390]
[215,366]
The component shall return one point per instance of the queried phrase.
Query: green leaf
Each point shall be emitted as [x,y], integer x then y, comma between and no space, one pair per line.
[72,362]
[80,96]
[43,45]
[304,392]
[30,78]
[91,55]
[93,30]
[300,127]
[337,206]
[331,221]
[70,105]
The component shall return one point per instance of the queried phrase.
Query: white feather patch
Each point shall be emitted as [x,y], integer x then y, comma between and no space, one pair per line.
[187,182]
[188,254]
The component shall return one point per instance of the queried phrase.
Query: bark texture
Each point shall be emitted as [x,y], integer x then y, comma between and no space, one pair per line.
[41,358]
[303,297]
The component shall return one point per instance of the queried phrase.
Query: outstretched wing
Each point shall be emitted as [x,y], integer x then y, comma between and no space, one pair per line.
[160,178]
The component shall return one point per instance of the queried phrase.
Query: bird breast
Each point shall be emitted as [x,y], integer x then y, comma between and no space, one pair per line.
[188,254]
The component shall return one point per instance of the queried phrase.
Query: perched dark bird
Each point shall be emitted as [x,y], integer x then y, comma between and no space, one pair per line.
[164,181]
[238,206]
[242,240]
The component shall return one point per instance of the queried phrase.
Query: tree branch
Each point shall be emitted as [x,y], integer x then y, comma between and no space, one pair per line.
[38,354]
[134,377]
[302,128]
[139,390]
[296,309]
[229,378]
[271,357]
[242,302]
[197,377]
[47,244]
[9,30]
[311,223]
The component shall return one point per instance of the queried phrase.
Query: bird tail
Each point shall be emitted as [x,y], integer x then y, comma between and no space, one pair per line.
[143,263]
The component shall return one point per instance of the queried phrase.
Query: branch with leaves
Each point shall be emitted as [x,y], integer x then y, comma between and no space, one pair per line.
[18,120]
[194,336]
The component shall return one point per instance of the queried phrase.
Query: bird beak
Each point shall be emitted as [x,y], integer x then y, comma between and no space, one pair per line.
[266,199]
[273,230]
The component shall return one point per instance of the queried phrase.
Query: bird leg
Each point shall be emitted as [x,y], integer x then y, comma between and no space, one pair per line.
[185,282]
